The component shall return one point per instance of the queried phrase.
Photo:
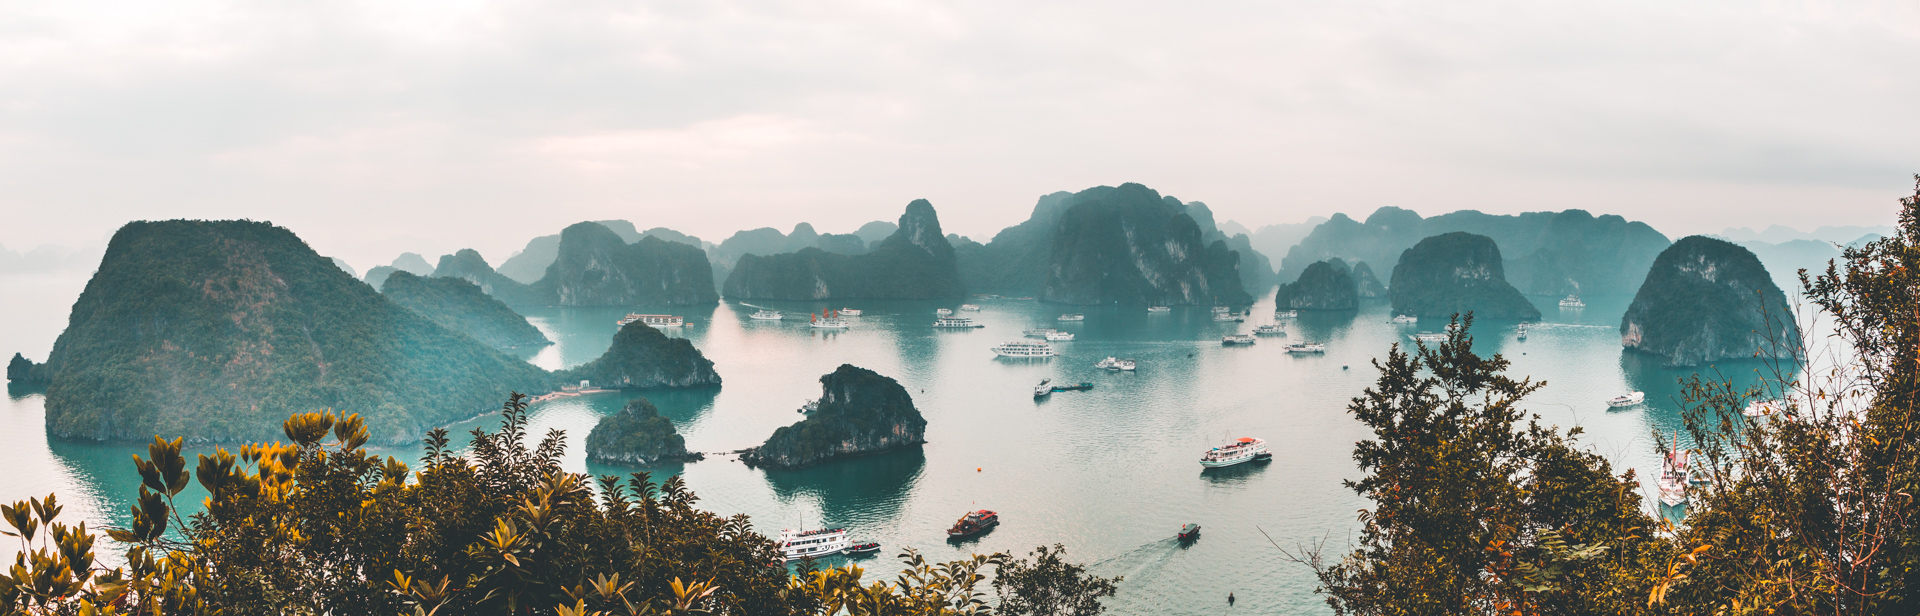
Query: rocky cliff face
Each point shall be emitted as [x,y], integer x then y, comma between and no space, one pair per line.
[915,262]
[643,358]
[596,268]
[1326,285]
[468,265]
[1129,245]
[860,412]
[1456,273]
[23,371]
[530,264]
[1365,283]
[1706,300]
[462,306]
[637,435]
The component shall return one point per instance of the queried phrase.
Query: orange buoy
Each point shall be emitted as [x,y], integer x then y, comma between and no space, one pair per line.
[976,469]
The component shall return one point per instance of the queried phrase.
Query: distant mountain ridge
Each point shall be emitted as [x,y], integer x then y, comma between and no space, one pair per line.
[914,262]
[595,267]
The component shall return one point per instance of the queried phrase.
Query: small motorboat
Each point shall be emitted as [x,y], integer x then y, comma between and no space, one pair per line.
[863,549]
[1044,389]
[1189,532]
[973,523]
[1405,319]
[944,312]
[1060,336]
[1158,309]
[849,312]
[1286,314]
[1269,330]
[1238,339]
[1630,399]
[1072,317]
[1115,364]
[970,307]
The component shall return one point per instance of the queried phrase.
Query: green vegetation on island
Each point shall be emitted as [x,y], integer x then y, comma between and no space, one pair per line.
[643,358]
[859,412]
[595,267]
[915,262]
[1454,273]
[1707,299]
[1326,285]
[461,306]
[1130,245]
[468,265]
[637,435]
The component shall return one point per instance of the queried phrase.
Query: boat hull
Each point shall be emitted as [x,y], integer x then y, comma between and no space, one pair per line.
[973,532]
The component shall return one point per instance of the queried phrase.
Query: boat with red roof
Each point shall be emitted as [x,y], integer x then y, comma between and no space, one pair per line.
[1241,450]
[974,523]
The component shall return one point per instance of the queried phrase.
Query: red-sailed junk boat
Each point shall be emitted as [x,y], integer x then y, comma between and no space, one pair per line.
[974,523]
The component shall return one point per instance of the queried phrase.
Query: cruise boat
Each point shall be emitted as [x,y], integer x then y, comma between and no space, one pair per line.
[1523,331]
[1673,476]
[1024,348]
[1189,532]
[1044,389]
[1240,451]
[1286,314]
[969,307]
[810,406]
[1764,408]
[795,545]
[974,523]
[849,312]
[1630,399]
[1060,336]
[1233,339]
[1115,364]
[654,320]
[1153,309]
[1430,337]
[955,323]
[1038,332]
[1572,301]
[1270,330]
[1405,319]
[1072,317]
[767,315]
[1305,347]
[945,312]
[1228,316]
[1220,309]
[829,320]
[863,549]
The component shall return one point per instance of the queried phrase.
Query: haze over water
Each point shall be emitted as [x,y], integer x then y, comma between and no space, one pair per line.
[1111,473]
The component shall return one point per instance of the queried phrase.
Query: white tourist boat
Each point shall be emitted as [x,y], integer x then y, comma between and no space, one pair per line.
[1429,337]
[1228,316]
[829,320]
[654,320]
[1673,476]
[1024,349]
[1286,314]
[795,545]
[1629,399]
[945,312]
[970,307]
[1044,389]
[1306,347]
[1220,309]
[1038,332]
[1153,309]
[1072,317]
[1523,331]
[1060,337]
[849,312]
[1240,451]
[955,323]
[1238,339]
[1406,319]
[767,315]
[810,407]
[1115,364]
[1572,301]
[1269,330]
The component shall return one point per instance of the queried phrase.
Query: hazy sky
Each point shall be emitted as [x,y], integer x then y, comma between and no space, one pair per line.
[380,127]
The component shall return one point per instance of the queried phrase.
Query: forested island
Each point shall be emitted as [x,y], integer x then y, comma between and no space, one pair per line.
[1707,299]
[1454,273]
[462,306]
[859,412]
[1325,285]
[637,435]
[1130,245]
[642,358]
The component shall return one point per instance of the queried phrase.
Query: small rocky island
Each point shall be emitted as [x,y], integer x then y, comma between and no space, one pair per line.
[637,435]
[1453,273]
[1704,300]
[1324,285]
[643,358]
[859,412]
[462,306]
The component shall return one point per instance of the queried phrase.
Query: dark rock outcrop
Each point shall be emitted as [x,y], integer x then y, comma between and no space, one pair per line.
[1130,245]
[1365,283]
[462,306]
[596,268]
[1326,285]
[1456,272]
[637,435]
[1704,300]
[916,262]
[643,358]
[860,412]
[218,330]
[468,265]
[24,371]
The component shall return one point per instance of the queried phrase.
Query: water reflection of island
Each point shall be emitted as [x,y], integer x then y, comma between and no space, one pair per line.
[865,489]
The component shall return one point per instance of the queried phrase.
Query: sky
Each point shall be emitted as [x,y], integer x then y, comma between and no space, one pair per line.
[373,128]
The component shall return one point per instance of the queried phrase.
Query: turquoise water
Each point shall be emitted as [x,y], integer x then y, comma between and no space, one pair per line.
[1111,473]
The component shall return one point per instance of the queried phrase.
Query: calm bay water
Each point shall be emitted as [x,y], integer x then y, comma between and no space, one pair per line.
[1111,473]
